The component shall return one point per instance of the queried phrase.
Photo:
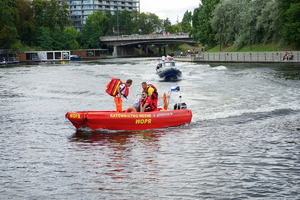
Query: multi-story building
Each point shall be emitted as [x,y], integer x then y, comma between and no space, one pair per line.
[80,9]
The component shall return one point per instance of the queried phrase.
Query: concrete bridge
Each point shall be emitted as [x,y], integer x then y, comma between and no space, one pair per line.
[125,45]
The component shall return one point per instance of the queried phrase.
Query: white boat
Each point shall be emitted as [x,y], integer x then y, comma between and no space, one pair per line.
[166,69]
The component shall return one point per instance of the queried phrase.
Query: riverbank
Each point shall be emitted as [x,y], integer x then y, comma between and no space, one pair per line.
[254,57]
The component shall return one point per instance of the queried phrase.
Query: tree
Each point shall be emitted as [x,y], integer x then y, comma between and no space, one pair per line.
[167,22]
[185,25]
[290,14]
[44,38]
[201,29]
[187,17]
[229,21]
[50,14]
[72,36]
[126,24]
[269,22]
[95,27]
[25,25]
[148,23]
[246,22]
[59,39]
[172,28]
[8,31]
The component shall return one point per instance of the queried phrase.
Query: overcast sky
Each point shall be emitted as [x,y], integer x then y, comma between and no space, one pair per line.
[169,8]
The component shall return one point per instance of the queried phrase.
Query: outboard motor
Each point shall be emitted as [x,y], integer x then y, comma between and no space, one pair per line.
[179,106]
[136,105]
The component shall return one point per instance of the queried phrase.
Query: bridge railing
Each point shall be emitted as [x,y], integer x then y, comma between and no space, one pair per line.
[144,37]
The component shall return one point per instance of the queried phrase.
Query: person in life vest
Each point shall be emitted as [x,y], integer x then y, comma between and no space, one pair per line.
[152,92]
[122,92]
[159,64]
[146,103]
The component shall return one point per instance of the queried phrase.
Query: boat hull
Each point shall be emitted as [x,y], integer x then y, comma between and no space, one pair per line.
[112,120]
[169,73]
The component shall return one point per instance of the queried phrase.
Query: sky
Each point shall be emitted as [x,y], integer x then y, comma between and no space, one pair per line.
[174,10]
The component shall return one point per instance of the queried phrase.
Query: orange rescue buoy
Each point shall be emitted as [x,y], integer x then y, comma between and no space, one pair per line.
[165,101]
[131,109]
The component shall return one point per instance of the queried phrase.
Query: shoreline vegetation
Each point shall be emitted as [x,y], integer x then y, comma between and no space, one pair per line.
[263,53]
[270,47]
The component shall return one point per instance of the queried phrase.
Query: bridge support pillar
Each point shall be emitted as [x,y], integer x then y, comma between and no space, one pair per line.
[120,51]
[115,53]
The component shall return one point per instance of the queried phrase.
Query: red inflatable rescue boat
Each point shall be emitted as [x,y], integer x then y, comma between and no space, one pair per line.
[113,120]
[130,119]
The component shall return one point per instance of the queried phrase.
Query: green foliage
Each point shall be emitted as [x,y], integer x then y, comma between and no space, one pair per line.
[8,35]
[42,23]
[246,22]
[253,48]
[126,23]
[268,22]
[95,27]
[166,22]
[9,14]
[25,25]
[290,16]
[72,36]
[147,23]
[185,27]
[172,28]
[201,28]
[50,14]
[44,39]
[187,17]
[59,39]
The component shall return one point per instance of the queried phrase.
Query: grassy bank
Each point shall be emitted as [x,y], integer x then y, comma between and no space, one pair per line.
[252,48]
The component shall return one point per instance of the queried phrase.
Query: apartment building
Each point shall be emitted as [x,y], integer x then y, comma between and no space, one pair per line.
[80,9]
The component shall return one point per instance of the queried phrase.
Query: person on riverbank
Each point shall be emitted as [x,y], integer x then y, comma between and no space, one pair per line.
[122,92]
[152,92]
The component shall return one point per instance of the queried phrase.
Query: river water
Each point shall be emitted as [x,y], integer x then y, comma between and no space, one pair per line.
[243,142]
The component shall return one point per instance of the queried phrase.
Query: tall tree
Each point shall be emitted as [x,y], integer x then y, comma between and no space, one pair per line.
[269,22]
[149,23]
[126,24]
[187,16]
[25,25]
[8,31]
[172,28]
[95,27]
[229,21]
[185,24]
[290,15]
[72,36]
[201,27]
[44,38]
[246,22]
[167,22]
[50,14]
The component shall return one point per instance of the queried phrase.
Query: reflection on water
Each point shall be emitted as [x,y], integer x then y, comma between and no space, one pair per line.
[120,152]
[113,137]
